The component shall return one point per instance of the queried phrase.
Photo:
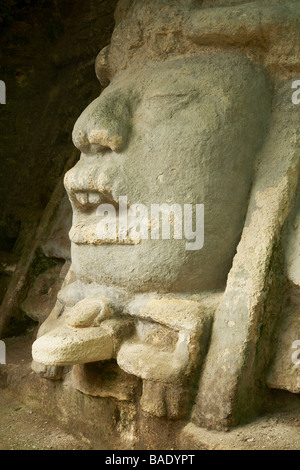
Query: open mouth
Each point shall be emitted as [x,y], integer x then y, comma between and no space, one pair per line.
[90,200]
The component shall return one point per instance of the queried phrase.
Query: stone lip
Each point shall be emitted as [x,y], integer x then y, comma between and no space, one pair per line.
[85,233]
[68,346]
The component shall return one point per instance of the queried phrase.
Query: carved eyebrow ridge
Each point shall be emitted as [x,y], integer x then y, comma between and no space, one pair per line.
[162,95]
[171,95]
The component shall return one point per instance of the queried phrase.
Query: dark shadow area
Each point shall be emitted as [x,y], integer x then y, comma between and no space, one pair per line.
[47,54]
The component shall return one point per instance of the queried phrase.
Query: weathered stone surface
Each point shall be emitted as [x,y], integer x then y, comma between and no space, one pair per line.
[177,313]
[57,244]
[47,372]
[74,291]
[105,379]
[292,244]
[89,312]
[152,168]
[106,423]
[161,400]
[255,279]
[196,110]
[43,293]
[68,346]
[170,337]
[267,433]
[284,371]
[150,363]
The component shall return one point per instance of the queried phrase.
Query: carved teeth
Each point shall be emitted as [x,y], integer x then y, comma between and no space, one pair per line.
[82,198]
[94,198]
[88,198]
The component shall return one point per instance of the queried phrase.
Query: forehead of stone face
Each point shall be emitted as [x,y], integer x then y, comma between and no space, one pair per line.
[178,76]
[219,87]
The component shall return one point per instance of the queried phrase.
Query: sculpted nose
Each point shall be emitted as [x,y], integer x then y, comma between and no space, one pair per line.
[103,125]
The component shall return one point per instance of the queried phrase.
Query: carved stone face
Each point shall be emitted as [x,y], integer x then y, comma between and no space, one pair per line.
[182,131]
[182,122]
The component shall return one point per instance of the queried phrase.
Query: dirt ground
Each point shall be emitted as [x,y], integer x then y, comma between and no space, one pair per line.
[23,429]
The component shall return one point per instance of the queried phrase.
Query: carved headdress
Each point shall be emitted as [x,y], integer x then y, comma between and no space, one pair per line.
[268,31]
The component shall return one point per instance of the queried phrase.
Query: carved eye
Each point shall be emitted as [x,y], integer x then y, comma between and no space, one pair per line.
[166,104]
[170,96]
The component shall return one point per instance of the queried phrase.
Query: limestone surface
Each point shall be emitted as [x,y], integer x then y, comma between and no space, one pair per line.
[197,109]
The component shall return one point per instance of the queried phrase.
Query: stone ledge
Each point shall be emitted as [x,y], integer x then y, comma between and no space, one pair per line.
[271,432]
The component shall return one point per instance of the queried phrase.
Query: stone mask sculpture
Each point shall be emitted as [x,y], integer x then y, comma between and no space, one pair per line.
[189,115]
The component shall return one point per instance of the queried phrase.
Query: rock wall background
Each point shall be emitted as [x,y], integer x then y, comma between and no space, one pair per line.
[47,54]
